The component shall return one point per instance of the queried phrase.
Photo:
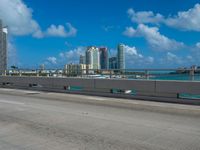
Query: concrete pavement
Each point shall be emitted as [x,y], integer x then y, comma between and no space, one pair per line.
[49,121]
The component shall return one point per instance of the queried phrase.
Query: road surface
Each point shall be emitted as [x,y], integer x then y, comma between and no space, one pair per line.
[50,121]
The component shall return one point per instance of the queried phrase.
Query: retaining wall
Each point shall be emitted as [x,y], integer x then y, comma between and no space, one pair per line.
[168,91]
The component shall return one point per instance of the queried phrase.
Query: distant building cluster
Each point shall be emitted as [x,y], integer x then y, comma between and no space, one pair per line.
[3,48]
[98,58]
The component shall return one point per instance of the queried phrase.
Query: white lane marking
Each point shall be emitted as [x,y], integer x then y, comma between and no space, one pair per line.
[11,102]
[7,90]
[81,96]
[22,91]
[96,98]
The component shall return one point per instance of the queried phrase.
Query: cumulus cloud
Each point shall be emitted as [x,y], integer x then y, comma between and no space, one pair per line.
[132,51]
[60,31]
[12,55]
[18,17]
[173,60]
[107,28]
[195,54]
[52,60]
[198,45]
[135,59]
[129,32]
[154,38]
[66,57]
[184,20]
[38,34]
[144,16]
[170,57]
[72,56]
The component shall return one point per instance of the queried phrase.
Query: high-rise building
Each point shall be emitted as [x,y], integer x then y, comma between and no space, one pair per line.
[3,48]
[113,63]
[82,59]
[92,57]
[121,56]
[103,57]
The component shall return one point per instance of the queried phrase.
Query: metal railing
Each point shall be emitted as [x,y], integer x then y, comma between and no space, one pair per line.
[145,74]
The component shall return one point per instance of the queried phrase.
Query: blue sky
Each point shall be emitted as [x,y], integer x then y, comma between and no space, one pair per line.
[156,34]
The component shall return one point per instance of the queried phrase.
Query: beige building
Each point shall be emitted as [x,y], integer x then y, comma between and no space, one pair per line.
[76,69]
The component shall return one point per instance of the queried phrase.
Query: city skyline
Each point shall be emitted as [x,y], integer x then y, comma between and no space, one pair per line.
[99,58]
[154,37]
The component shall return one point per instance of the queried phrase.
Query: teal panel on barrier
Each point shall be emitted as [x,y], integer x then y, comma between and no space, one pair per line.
[188,96]
[120,91]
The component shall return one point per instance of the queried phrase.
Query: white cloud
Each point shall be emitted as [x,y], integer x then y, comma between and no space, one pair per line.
[18,17]
[56,31]
[72,56]
[52,60]
[60,31]
[65,57]
[132,51]
[38,34]
[171,60]
[12,55]
[156,40]
[184,20]
[150,60]
[190,58]
[195,54]
[135,59]
[175,60]
[198,45]
[171,57]
[129,32]
[107,28]
[144,16]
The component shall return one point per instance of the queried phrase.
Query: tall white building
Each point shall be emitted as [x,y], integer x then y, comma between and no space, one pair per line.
[82,59]
[93,57]
[121,56]
[3,48]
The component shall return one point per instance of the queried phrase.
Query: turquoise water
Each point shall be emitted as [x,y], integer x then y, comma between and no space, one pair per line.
[183,77]
[164,75]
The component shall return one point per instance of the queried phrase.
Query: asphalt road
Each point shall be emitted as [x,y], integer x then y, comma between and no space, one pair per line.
[48,121]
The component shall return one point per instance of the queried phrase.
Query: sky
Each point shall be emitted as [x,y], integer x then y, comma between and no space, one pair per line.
[156,34]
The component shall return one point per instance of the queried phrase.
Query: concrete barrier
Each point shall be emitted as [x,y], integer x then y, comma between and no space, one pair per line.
[178,87]
[144,89]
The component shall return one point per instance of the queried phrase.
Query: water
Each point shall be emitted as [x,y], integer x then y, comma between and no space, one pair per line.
[182,77]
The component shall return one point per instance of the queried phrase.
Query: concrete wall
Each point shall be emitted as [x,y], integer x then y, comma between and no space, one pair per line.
[144,89]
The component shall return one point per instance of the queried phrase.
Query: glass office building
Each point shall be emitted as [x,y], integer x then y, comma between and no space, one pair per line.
[103,57]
